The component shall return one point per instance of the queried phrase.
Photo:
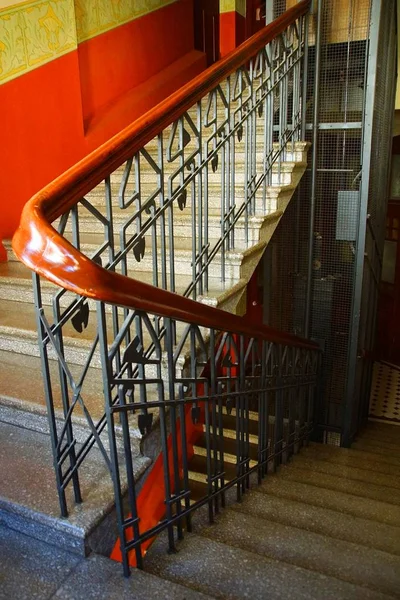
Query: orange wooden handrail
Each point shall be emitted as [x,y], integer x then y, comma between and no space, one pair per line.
[39,246]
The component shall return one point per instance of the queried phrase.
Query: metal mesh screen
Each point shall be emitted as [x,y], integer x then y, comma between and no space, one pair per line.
[345,66]
[279,7]
[342,82]
[382,125]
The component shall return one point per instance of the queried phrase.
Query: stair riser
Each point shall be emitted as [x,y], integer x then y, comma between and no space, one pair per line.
[183,229]
[182,265]
[281,174]
[213,200]
[76,355]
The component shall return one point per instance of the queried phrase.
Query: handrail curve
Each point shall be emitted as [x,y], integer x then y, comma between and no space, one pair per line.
[40,247]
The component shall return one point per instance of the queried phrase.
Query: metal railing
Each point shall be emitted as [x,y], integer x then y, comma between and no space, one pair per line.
[110,234]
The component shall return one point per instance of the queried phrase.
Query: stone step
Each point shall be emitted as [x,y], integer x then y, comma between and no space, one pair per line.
[348,472]
[21,338]
[33,569]
[365,567]
[16,283]
[389,446]
[382,448]
[271,193]
[183,258]
[354,458]
[386,431]
[200,450]
[229,444]
[28,499]
[182,262]
[225,571]
[358,506]
[302,474]
[22,398]
[325,521]
[280,174]
[246,232]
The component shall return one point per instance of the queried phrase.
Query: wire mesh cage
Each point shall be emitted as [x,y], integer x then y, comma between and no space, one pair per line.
[342,319]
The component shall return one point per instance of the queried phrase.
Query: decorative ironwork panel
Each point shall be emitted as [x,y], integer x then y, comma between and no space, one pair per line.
[176,215]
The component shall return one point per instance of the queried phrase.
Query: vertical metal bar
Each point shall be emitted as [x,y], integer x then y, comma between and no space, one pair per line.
[102,328]
[292,404]
[305,79]
[49,395]
[203,210]
[161,183]
[216,420]
[66,403]
[316,94]
[185,462]
[262,415]
[278,407]
[174,441]
[370,92]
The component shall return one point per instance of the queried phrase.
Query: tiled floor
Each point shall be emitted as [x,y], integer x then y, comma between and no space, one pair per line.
[385,393]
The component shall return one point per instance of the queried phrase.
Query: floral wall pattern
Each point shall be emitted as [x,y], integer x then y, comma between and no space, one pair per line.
[34,33]
[96,16]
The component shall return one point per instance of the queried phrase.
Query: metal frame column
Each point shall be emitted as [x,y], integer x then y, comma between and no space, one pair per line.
[370,91]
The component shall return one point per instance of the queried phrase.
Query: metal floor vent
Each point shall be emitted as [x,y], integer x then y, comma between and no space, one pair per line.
[385,393]
[332,438]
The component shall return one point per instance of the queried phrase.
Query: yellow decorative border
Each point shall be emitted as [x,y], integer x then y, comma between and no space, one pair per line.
[233,5]
[94,17]
[34,33]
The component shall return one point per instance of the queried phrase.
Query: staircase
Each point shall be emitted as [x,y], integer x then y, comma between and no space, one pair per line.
[327,526]
[135,252]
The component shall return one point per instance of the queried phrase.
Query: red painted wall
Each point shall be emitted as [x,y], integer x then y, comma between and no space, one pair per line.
[114,62]
[232,31]
[59,112]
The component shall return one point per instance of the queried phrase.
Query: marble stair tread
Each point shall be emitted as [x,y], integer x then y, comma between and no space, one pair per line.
[370,432]
[225,571]
[16,281]
[378,448]
[342,502]
[18,335]
[328,522]
[92,231]
[28,498]
[14,270]
[182,242]
[21,379]
[389,445]
[22,392]
[100,577]
[349,562]
[372,490]
[348,472]
[354,458]
[35,570]
[17,317]
[374,430]
[384,429]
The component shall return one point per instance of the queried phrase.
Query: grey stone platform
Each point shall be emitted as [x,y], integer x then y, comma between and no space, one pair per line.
[28,499]
[33,570]
[326,526]
[321,529]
